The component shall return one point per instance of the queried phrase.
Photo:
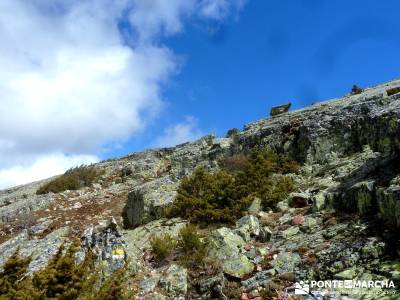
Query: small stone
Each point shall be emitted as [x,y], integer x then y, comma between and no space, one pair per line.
[282,206]
[348,274]
[286,262]
[238,267]
[289,276]
[298,220]
[253,294]
[77,205]
[291,231]
[263,251]
[270,218]
[251,223]
[251,254]
[224,243]
[265,234]
[245,296]
[258,259]
[308,224]
[299,200]
[285,219]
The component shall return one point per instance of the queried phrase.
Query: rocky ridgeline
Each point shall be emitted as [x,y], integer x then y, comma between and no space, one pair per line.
[343,222]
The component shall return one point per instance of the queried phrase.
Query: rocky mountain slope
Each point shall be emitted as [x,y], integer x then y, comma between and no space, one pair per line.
[341,223]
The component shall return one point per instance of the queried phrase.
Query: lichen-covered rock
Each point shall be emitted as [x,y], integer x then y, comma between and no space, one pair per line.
[265,234]
[359,198]
[349,274]
[373,248]
[138,240]
[224,243]
[260,279]
[286,262]
[174,281]
[212,287]
[237,266]
[348,149]
[255,206]
[249,223]
[389,205]
[291,231]
[106,241]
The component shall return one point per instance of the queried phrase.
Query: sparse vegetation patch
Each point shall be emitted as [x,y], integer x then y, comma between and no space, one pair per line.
[72,179]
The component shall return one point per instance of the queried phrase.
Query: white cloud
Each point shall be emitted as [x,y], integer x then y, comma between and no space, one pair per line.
[218,9]
[155,16]
[71,83]
[186,131]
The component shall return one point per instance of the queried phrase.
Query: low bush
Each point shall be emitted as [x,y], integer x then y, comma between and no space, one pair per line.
[232,133]
[222,196]
[162,246]
[13,281]
[72,179]
[194,249]
[190,239]
[62,279]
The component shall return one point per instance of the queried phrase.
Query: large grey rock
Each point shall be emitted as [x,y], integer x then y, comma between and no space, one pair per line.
[277,110]
[359,198]
[138,239]
[134,209]
[107,243]
[224,243]
[389,205]
[237,266]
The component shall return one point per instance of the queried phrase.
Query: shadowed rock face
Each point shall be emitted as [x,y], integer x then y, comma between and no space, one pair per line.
[343,220]
[134,209]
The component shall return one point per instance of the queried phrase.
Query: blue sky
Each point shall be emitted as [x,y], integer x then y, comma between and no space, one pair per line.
[87,80]
[278,51]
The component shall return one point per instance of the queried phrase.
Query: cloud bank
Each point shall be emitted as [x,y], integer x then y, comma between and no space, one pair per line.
[72,80]
[188,130]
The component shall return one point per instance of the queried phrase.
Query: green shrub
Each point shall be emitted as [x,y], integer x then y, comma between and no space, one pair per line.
[232,133]
[190,239]
[62,278]
[72,179]
[162,246]
[194,250]
[222,196]
[14,284]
